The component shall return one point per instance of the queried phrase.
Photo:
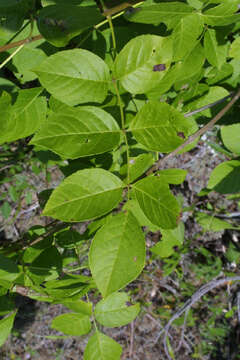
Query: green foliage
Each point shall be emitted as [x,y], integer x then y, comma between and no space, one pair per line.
[100,97]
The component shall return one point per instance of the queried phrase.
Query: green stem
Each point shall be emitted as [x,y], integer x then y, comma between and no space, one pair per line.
[115,84]
[124,132]
[11,56]
[113,36]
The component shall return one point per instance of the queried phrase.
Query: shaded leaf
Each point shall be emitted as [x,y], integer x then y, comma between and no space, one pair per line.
[225,178]
[60,23]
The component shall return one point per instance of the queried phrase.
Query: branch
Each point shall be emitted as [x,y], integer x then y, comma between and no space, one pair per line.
[197,134]
[116,9]
[20,42]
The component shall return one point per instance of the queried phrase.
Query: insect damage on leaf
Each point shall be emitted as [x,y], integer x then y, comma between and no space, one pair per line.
[159,67]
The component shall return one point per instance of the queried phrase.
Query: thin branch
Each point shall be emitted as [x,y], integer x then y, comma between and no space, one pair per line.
[131,340]
[205,107]
[20,42]
[116,9]
[197,134]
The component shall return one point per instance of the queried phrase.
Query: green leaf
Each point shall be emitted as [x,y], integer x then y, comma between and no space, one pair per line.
[46,266]
[222,14]
[114,311]
[157,202]
[173,176]
[143,62]
[160,127]
[234,51]
[69,239]
[6,325]
[78,132]
[191,64]
[72,324]
[8,269]
[215,52]
[6,305]
[6,210]
[137,166]
[75,76]
[214,93]
[170,238]
[185,35]
[78,306]
[117,253]
[225,178]
[168,12]
[85,195]
[231,137]
[60,23]
[102,347]
[133,206]
[25,60]
[211,223]
[16,120]
[69,286]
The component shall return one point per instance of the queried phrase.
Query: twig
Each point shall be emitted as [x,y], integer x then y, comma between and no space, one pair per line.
[188,304]
[205,107]
[121,7]
[183,330]
[238,306]
[131,340]
[197,134]
[20,42]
